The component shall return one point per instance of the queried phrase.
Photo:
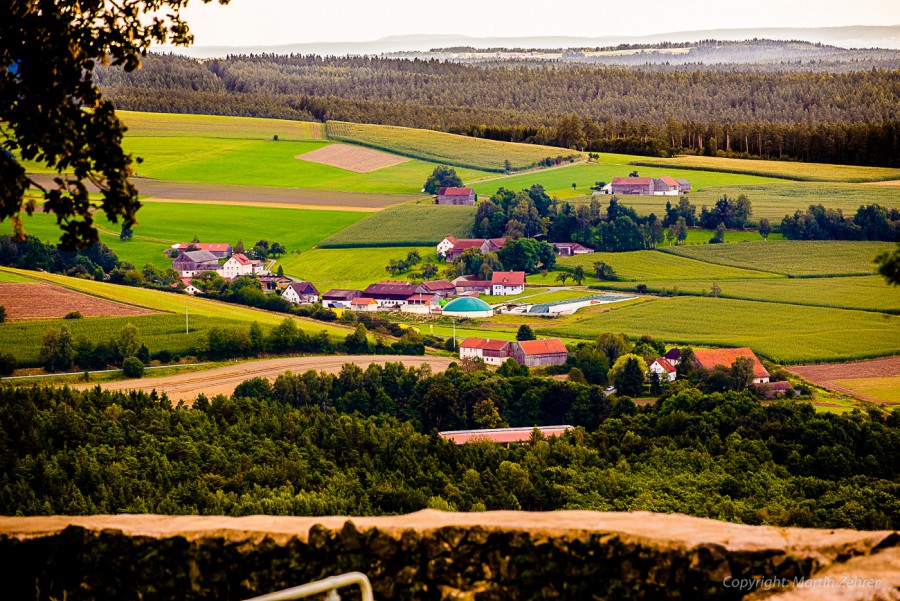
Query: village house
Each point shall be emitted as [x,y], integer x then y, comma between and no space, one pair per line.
[712,358]
[492,352]
[502,435]
[455,196]
[193,262]
[389,294]
[238,265]
[664,369]
[507,283]
[189,287]
[451,248]
[539,353]
[219,250]
[570,249]
[274,283]
[666,186]
[440,288]
[339,297]
[468,285]
[301,293]
[363,304]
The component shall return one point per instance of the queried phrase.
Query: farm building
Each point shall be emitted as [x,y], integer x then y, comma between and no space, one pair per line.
[192,262]
[666,186]
[271,283]
[421,303]
[684,185]
[467,307]
[710,359]
[455,196]
[301,293]
[570,249]
[538,353]
[663,369]
[451,248]
[390,293]
[502,435]
[492,352]
[465,285]
[492,245]
[219,250]
[339,297]
[238,265]
[661,186]
[441,288]
[507,283]
[567,307]
[363,304]
[673,356]
[189,287]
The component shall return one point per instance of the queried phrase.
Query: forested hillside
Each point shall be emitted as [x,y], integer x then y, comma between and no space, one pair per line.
[847,118]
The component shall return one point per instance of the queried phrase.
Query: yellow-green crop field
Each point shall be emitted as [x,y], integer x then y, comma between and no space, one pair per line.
[216,126]
[439,147]
[813,172]
[796,258]
[647,265]
[885,389]
[353,268]
[405,225]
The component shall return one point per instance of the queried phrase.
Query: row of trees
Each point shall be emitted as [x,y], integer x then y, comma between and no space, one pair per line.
[723,455]
[870,222]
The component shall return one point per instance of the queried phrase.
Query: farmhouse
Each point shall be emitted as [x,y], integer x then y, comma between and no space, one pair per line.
[660,186]
[506,283]
[492,352]
[502,435]
[710,359]
[663,369]
[465,285]
[570,249]
[666,186]
[632,185]
[339,297]
[441,288]
[363,304]
[455,196]
[390,293]
[190,263]
[189,287]
[301,293]
[220,250]
[451,248]
[537,353]
[238,265]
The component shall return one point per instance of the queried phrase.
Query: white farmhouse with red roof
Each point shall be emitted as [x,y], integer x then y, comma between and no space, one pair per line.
[663,369]
[492,352]
[711,358]
[507,283]
[238,265]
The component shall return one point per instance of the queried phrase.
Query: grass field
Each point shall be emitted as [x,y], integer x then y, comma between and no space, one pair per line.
[815,172]
[439,147]
[216,126]
[6,276]
[253,162]
[558,182]
[648,265]
[353,268]
[791,257]
[869,293]
[164,224]
[780,332]
[884,389]
[405,225]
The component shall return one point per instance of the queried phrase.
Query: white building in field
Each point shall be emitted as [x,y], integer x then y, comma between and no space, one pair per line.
[238,265]
[301,293]
[507,283]
[663,369]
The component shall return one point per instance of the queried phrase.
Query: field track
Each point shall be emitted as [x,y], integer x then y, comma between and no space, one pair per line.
[828,374]
[250,195]
[46,301]
[223,380]
[358,159]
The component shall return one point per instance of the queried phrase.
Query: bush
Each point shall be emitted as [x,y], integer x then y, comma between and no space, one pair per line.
[2,314]
[132,367]
[73,315]
[7,364]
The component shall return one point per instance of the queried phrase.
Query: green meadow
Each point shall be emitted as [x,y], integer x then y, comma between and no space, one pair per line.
[353,268]
[793,258]
[217,126]
[781,332]
[646,265]
[406,225]
[163,224]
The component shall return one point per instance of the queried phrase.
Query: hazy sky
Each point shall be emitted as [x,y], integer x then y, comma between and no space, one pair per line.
[266,22]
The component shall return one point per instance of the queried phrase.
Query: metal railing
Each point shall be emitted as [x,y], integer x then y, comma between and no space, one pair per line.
[327,585]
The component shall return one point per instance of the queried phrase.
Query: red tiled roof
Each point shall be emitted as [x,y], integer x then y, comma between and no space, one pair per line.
[664,363]
[547,346]
[487,344]
[362,301]
[632,181]
[501,434]
[455,191]
[438,285]
[669,180]
[465,243]
[473,283]
[498,242]
[419,297]
[391,288]
[508,278]
[242,259]
[708,359]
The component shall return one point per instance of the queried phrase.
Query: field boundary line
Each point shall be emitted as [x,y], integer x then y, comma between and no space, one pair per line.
[98,371]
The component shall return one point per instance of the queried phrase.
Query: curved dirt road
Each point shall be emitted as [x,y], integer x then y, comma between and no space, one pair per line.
[223,380]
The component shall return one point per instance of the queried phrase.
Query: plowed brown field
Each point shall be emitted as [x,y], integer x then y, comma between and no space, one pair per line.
[358,159]
[45,301]
[851,377]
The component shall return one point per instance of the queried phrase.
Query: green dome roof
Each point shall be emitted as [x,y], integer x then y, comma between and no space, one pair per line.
[467,304]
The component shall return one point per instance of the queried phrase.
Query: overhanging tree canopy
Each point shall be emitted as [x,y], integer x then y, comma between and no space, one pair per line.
[53,112]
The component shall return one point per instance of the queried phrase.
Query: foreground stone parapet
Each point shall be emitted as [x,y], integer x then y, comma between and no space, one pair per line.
[437,555]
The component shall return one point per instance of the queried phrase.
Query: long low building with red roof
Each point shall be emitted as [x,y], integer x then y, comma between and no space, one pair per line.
[538,353]
[502,435]
[724,357]
[492,352]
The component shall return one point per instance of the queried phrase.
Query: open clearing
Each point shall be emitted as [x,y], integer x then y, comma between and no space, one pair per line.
[358,159]
[877,380]
[223,380]
[42,301]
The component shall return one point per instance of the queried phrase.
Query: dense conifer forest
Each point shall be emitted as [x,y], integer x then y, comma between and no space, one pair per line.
[850,117]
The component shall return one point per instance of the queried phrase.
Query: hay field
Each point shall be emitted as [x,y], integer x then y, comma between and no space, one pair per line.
[813,172]
[648,265]
[217,126]
[358,159]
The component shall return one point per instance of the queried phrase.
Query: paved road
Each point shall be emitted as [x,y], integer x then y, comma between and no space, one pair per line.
[223,380]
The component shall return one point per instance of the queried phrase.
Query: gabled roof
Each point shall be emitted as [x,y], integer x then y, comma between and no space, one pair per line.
[462,283]
[682,181]
[464,243]
[342,294]
[673,354]
[484,343]
[303,288]
[664,363]
[242,259]
[363,301]
[455,191]
[567,245]
[198,256]
[542,347]
[671,181]
[450,239]
[438,285]
[632,181]
[724,357]
[508,278]
[498,242]
[392,288]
